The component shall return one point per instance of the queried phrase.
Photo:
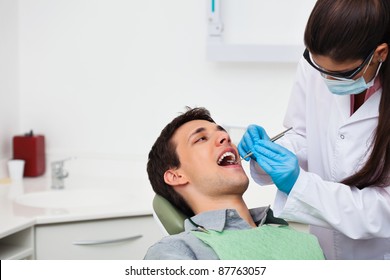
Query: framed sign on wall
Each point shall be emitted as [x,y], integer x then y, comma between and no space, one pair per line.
[256,30]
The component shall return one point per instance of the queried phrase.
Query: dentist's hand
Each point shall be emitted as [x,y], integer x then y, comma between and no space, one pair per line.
[252,136]
[278,162]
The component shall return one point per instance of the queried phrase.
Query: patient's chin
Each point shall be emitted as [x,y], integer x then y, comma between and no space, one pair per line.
[242,184]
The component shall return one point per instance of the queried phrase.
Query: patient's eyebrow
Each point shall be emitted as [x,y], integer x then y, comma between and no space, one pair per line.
[202,129]
[198,130]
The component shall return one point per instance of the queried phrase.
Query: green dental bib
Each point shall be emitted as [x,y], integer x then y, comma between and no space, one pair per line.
[262,243]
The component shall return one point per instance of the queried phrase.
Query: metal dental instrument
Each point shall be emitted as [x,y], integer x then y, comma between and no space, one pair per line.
[273,139]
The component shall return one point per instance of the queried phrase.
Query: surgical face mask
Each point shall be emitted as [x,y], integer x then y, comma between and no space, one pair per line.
[342,86]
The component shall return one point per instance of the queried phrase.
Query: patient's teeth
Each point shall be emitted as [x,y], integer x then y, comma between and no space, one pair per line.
[227,154]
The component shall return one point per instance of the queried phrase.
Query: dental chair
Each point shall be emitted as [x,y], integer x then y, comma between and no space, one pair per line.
[167,216]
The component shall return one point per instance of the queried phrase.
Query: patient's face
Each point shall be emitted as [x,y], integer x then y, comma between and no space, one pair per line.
[209,159]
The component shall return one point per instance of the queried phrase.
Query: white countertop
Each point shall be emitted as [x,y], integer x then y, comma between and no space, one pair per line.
[14,216]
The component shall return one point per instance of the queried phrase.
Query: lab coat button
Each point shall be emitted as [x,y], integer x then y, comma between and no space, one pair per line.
[342,136]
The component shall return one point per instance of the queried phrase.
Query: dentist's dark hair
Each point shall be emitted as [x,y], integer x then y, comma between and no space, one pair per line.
[163,157]
[350,30]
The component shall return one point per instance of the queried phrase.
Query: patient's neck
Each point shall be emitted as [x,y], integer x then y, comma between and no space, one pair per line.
[244,213]
[234,202]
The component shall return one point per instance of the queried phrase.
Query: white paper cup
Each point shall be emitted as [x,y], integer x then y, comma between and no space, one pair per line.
[16,169]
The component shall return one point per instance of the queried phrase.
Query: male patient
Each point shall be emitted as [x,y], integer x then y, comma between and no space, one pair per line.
[195,166]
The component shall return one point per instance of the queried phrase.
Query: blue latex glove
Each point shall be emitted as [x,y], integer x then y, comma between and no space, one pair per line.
[252,135]
[278,162]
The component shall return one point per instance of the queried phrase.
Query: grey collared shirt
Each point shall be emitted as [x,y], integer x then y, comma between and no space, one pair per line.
[185,246]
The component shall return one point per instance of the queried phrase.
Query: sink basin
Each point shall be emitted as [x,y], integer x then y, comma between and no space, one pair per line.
[74,198]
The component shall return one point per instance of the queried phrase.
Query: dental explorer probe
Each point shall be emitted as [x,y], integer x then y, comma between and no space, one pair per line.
[273,139]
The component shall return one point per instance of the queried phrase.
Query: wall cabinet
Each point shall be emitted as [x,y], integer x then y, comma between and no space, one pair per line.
[119,238]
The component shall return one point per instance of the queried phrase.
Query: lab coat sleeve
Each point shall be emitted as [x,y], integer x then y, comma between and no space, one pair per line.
[358,214]
[259,175]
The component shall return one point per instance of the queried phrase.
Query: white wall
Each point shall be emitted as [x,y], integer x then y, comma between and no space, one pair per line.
[9,95]
[104,77]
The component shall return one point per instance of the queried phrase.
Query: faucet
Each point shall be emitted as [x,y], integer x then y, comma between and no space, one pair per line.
[58,174]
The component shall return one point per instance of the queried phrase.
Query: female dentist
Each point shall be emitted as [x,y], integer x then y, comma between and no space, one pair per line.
[337,177]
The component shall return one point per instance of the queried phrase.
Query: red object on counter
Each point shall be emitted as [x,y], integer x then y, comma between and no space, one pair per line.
[30,148]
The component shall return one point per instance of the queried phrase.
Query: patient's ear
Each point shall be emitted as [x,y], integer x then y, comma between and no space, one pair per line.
[174,177]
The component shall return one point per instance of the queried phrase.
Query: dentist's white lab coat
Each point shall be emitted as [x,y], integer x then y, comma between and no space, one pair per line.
[331,145]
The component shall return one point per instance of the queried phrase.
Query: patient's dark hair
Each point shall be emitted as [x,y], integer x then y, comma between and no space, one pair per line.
[163,156]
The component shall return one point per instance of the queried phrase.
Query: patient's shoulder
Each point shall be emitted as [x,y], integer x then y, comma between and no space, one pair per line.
[173,247]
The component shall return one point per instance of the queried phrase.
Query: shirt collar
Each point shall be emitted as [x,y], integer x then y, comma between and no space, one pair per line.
[222,219]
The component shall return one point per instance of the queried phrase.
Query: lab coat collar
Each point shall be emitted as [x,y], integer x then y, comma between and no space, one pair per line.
[367,111]
[370,108]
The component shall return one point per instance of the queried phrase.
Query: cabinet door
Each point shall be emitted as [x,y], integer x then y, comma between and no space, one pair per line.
[123,238]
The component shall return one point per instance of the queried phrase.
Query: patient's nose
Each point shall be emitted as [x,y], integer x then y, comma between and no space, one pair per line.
[223,138]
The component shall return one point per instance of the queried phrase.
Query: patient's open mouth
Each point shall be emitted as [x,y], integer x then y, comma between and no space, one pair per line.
[226,159]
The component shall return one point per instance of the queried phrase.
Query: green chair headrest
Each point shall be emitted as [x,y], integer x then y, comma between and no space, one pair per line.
[170,217]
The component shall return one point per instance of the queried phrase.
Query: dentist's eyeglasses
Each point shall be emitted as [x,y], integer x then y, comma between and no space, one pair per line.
[345,74]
